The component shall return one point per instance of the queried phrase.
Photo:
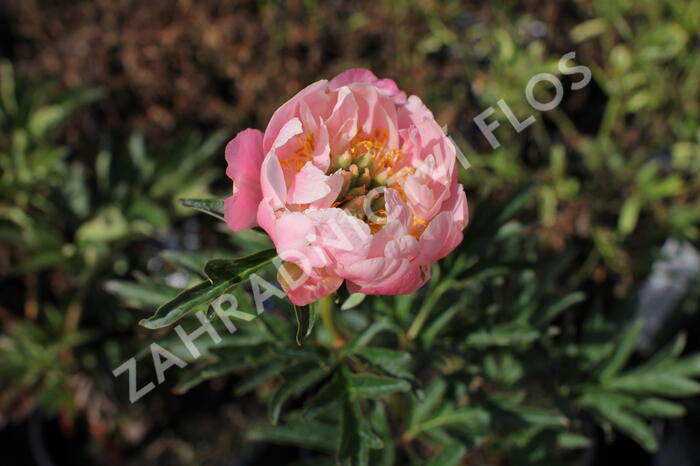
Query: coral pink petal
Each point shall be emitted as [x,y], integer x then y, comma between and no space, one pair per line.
[293,236]
[335,183]
[288,111]
[272,181]
[244,156]
[439,238]
[309,185]
[354,75]
[312,289]
[241,209]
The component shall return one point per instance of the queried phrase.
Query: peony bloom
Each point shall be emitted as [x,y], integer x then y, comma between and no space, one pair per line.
[353,181]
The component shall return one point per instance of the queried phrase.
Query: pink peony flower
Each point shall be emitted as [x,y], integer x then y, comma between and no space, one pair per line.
[353,181]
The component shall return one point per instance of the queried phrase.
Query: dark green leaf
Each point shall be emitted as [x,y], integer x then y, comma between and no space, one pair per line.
[328,397]
[571,441]
[260,375]
[239,268]
[304,326]
[623,352]
[471,418]
[503,335]
[304,434]
[552,311]
[657,407]
[631,425]
[393,363]
[375,386]
[214,207]
[450,455]
[296,381]
[433,397]
[223,275]
[353,449]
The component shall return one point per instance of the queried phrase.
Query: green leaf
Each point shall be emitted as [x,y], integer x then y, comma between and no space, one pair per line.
[141,295]
[435,327]
[40,259]
[629,214]
[223,275]
[297,379]
[503,335]
[304,434]
[617,409]
[7,87]
[650,382]
[538,416]
[353,300]
[668,354]
[193,261]
[473,419]
[393,363]
[516,202]
[184,303]
[230,361]
[433,396]
[305,317]
[46,118]
[571,441]
[551,312]
[328,397]
[108,225]
[363,338]
[213,207]
[353,449]
[240,268]
[450,455]
[631,425]
[624,350]
[657,407]
[375,386]
[260,375]
[379,421]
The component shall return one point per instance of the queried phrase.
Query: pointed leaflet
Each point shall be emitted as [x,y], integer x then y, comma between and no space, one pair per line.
[223,274]
[298,379]
[306,434]
[213,207]
[306,318]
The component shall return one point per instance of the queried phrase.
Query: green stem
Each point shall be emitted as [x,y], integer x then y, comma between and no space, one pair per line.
[328,319]
[426,308]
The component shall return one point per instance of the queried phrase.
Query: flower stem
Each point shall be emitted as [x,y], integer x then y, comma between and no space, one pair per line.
[426,309]
[328,319]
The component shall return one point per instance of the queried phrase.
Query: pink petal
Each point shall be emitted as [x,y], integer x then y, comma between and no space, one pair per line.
[335,183]
[244,156]
[353,75]
[288,111]
[309,185]
[294,234]
[344,238]
[439,239]
[272,181]
[311,289]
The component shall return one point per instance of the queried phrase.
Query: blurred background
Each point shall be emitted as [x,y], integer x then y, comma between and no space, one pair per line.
[110,111]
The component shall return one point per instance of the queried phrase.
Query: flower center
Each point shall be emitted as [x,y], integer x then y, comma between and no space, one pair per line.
[368,166]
